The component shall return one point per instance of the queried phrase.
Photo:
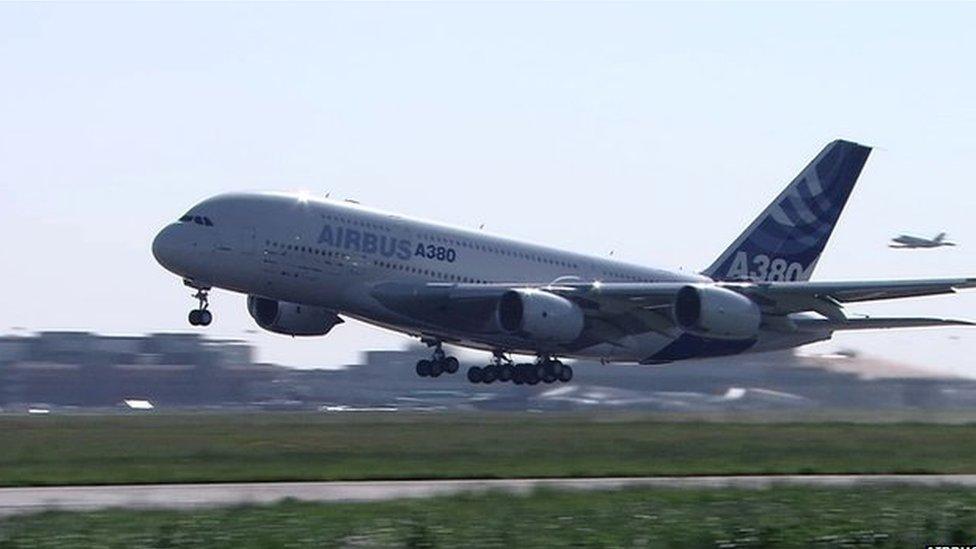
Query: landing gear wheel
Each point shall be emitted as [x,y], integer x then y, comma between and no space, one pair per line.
[423,368]
[566,375]
[205,317]
[489,373]
[439,363]
[475,375]
[505,373]
[200,316]
[550,371]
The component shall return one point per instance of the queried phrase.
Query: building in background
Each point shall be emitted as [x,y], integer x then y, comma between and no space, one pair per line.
[82,369]
[79,370]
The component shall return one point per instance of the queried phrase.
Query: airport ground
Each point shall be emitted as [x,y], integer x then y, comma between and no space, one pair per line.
[132,449]
[56,450]
[776,517]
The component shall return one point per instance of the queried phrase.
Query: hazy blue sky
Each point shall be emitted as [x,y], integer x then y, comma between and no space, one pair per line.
[655,130]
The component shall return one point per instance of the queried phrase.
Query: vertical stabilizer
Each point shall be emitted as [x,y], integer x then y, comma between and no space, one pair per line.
[786,240]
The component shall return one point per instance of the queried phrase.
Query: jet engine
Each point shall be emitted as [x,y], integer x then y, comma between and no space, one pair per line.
[282,317]
[716,312]
[540,315]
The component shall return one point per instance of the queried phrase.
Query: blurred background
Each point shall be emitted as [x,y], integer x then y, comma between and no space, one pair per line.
[175,372]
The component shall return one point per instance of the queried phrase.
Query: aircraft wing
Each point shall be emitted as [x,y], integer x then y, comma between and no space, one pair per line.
[778,298]
[615,309]
[851,292]
[821,324]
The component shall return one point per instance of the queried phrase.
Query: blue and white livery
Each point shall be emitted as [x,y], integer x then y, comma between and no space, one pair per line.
[306,263]
[786,240]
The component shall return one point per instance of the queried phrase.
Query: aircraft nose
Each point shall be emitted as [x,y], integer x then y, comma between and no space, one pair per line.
[167,248]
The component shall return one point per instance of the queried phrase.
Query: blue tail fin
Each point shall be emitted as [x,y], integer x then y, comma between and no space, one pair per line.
[786,240]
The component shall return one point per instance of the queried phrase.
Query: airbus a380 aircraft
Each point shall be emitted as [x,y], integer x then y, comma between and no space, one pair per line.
[306,262]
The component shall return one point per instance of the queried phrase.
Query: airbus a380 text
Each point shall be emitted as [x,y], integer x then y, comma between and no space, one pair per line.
[305,263]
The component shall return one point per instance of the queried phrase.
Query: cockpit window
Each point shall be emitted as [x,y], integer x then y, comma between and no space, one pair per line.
[198,219]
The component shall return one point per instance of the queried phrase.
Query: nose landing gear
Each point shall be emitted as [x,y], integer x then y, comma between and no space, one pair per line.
[201,316]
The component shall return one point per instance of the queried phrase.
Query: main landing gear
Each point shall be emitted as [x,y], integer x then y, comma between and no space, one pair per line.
[201,316]
[439,364]
[545,370]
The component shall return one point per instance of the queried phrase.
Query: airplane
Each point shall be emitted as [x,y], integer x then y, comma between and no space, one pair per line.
[306,263]
[905,241]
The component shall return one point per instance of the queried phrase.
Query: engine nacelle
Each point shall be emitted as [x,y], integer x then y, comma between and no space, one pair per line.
[540,315]
[282,317]
[715,312]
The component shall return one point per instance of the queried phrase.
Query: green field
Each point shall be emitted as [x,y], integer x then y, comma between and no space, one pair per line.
[780,517]
[264,447]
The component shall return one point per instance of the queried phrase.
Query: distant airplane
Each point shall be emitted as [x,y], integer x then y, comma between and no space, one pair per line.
[911,242]
[305,263]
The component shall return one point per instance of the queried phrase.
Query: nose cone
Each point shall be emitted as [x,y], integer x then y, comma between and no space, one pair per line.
[169,249]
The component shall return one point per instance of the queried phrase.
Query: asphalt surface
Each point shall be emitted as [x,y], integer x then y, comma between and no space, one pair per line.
[186,496]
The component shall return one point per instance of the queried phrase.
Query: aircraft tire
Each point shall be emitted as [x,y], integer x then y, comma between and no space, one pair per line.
[451,365]
[423,368]
[490,373]
[475,374]
[506,373]
[539,370]
[566,375]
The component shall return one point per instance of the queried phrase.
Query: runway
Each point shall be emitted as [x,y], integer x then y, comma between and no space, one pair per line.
[187,496]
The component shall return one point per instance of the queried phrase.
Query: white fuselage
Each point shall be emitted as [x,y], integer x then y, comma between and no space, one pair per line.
[335,254]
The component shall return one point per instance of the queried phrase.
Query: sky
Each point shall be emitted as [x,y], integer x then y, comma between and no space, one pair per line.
[656,131]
